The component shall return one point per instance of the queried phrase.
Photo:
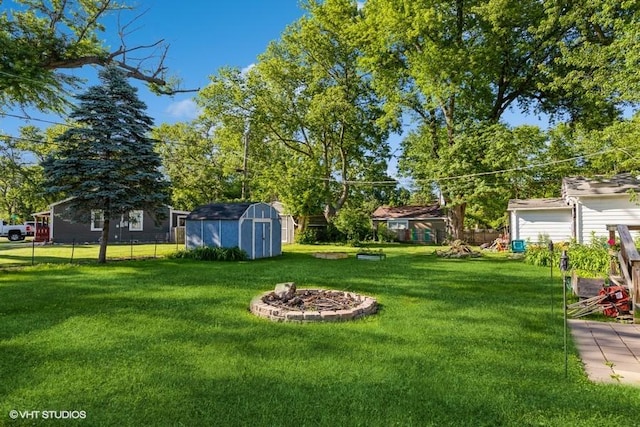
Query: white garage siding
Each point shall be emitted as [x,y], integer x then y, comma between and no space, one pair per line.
[530,225]
[596,213]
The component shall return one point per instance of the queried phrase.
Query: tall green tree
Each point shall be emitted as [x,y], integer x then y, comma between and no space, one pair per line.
[40,39]
[197,163]
[457,65]
[14,180]
[599,59]
[21,180]
[106,162]
[306,94]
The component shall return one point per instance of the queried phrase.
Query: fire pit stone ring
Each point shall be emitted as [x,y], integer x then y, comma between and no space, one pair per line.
[288,304]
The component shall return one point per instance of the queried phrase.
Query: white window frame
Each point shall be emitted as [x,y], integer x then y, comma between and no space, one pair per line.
[397,224]
[136,220]
[97,216]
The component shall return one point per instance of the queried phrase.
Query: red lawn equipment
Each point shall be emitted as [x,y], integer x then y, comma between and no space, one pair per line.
[612,301]
[616,301]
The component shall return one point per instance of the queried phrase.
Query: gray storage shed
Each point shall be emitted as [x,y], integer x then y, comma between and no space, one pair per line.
[253,227]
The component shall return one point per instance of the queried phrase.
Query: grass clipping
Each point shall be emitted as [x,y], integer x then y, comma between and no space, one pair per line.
[459,249]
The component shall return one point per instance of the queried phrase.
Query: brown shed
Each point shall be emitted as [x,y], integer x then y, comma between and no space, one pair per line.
[417,224]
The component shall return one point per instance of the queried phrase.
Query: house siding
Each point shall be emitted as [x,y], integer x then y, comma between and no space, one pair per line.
[531,225]
[598,212]
[419,231]
[64,230]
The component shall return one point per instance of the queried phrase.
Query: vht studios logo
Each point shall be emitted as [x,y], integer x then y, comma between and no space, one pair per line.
[47,415]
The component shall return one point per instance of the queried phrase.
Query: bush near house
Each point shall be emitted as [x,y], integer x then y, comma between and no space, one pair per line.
[592,259]
[207,253]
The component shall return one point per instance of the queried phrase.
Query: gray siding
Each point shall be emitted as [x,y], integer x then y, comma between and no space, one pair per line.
[65,230]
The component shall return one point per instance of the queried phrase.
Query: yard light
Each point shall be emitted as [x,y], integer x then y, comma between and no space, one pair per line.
[550,247]
[564,267]
[564,262]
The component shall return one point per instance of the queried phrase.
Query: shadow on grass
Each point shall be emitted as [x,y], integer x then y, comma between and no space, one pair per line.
[172,342]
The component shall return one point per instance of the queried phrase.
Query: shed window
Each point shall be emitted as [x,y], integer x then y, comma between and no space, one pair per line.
[135,220]
[398,224]
[97,220]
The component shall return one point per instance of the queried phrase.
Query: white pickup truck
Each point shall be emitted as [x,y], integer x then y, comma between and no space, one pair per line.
[14,232]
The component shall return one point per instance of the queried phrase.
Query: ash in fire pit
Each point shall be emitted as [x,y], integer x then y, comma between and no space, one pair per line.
[286,303]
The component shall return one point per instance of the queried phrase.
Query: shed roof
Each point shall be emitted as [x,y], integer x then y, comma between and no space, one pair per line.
[548,203]
[599,185]
[408,212]
[217,211]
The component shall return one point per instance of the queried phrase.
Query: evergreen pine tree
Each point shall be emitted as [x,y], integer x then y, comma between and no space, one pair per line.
[106,160]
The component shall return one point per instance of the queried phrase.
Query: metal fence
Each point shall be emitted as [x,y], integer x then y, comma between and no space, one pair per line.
[30,252]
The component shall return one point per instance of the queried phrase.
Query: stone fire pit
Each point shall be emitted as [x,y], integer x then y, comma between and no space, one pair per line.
[288,304]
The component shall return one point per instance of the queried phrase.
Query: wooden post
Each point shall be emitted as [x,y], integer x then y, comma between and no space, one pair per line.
[630,266]
[612,238]
[635,297]
[612,231]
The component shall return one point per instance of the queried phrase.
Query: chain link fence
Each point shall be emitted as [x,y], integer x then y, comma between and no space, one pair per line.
[29,252]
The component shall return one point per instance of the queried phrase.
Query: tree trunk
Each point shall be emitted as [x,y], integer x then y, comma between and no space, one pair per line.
[456,220]
[104,240]
[329,211]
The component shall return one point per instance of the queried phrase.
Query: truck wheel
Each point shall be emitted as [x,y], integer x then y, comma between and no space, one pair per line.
[14,236]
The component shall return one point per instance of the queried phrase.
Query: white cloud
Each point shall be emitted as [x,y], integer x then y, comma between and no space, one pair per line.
[246,69]
[186,109]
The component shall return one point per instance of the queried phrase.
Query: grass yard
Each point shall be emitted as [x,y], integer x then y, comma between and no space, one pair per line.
[171,342]
[26,253]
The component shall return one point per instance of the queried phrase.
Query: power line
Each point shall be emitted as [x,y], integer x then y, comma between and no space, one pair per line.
[20,138]
[15,116]
[473,175]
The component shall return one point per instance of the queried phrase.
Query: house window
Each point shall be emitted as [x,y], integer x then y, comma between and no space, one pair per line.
[135,220]
[97,220]
[398,224]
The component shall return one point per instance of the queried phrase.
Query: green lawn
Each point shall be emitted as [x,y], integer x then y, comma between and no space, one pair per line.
[171,342]
[27,253]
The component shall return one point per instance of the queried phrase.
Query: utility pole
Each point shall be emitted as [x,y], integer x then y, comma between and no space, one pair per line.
[245,161]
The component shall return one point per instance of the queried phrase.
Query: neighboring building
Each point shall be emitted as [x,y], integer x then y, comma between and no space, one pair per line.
[53,225]
[587,206]
[420,224]
[535,219]
[287,221]
[601,201]
[252,227]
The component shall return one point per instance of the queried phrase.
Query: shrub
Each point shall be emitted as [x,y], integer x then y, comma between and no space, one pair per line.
[308,236]
[354,223]
[592,258]
[206,253]
[384,234]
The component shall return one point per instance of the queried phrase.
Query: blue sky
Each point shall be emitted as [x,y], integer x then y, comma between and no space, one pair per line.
[207,35]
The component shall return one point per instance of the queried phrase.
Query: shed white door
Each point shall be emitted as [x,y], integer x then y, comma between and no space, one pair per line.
[261,238]
[534,225]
